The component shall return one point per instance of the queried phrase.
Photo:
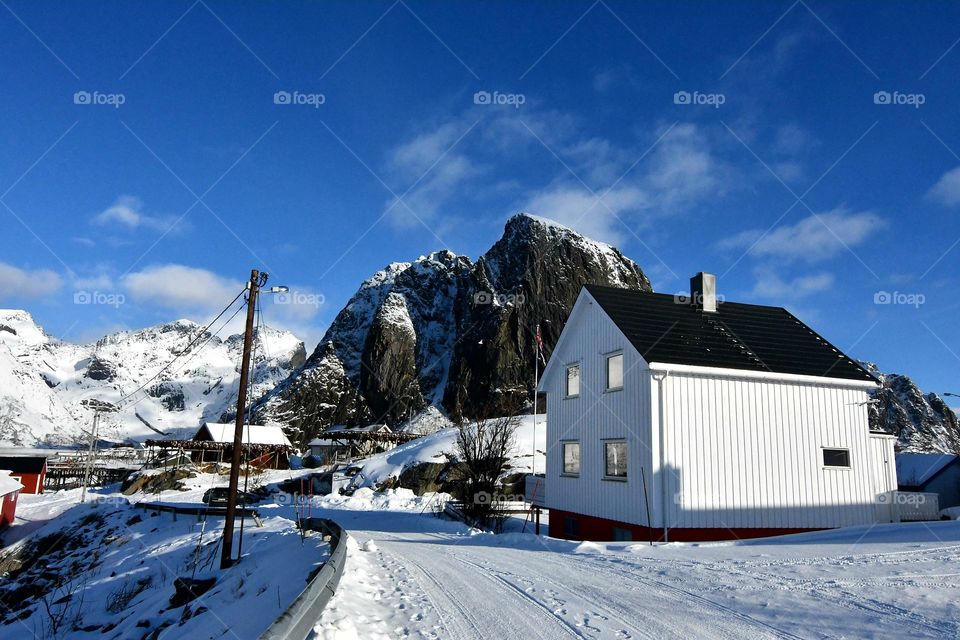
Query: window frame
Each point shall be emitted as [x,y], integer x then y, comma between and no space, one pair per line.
[566,380]
[563,459]
[823,458]
[606,370]
[626,473]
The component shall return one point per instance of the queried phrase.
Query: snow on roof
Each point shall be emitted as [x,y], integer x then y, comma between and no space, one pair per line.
[7,483]
[252,433]
[915,469]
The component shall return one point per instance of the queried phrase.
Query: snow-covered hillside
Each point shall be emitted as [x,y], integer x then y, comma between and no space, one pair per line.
[44,381]
[524,457]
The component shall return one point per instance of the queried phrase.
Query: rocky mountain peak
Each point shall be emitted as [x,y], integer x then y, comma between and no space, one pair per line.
[443,331]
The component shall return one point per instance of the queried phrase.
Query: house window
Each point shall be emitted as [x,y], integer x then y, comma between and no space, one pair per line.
[573,380]
[615,372]
[622,535]
[571,527]
[615,458]
[571,458]
[836,458]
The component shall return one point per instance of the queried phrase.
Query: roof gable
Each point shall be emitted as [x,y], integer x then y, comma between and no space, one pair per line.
[667,329]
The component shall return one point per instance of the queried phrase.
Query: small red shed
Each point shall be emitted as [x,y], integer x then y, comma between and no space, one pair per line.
[29,470]
[10,489]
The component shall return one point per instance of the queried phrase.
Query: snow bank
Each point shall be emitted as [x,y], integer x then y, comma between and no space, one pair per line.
[433,448]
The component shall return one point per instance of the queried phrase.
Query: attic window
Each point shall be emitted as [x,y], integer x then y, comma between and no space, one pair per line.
[573,380]
[839,458]
[615,371]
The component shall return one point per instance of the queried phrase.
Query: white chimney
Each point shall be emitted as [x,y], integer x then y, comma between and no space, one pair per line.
[703,292]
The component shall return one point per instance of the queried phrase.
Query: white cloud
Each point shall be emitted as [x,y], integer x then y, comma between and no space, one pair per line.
[773,286]
[680,172]
[198,294]
[26,283]
[592,215]
[812,239]
[127,211]
[947,189]
[183,289]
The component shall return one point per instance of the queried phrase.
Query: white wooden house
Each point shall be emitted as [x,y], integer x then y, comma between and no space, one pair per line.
[690,418]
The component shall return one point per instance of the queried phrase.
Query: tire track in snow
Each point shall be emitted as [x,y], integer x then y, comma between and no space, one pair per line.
[612,613]
[451,586]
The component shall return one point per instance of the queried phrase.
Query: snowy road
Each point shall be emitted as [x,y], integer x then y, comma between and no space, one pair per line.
[417,576]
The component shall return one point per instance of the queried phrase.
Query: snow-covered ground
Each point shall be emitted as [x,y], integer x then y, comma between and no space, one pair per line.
[120,562]
[410,574]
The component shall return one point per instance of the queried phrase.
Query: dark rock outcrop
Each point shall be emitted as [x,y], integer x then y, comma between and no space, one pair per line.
[448,332]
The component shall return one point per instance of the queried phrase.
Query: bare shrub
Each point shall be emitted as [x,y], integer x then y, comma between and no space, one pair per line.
[483,448]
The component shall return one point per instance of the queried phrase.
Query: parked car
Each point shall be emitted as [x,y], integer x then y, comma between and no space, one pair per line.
[217,497]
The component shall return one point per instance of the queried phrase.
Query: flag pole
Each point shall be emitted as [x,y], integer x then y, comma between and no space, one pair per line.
[536,381]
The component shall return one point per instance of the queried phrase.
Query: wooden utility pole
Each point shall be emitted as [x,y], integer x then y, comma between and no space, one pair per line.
[257,280]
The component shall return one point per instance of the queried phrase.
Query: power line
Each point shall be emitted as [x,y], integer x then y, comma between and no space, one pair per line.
[195,351]
[179,355]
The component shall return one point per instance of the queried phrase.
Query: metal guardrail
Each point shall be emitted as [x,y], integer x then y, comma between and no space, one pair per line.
[297,622]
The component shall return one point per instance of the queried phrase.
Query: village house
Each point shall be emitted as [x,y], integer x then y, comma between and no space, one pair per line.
[937,473]
[10,489]
[30,470]
[691,418]
[341,443]
[263,445]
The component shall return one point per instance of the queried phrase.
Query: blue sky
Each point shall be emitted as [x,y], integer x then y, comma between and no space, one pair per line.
[807,153]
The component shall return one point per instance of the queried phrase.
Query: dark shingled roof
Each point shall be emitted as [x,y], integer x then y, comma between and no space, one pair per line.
[738,336]
[23,464]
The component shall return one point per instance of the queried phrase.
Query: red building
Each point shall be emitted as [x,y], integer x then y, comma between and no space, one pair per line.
[10,488]
[29,470]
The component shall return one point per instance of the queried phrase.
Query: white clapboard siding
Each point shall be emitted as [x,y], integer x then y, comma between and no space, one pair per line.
[597,415]
[747,453]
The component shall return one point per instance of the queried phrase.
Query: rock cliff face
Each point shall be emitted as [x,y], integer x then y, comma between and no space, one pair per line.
[922,422]
[447,332]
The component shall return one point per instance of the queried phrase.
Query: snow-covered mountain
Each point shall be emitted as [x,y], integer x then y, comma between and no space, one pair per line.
[922,422]
[446,332]
[44,381]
